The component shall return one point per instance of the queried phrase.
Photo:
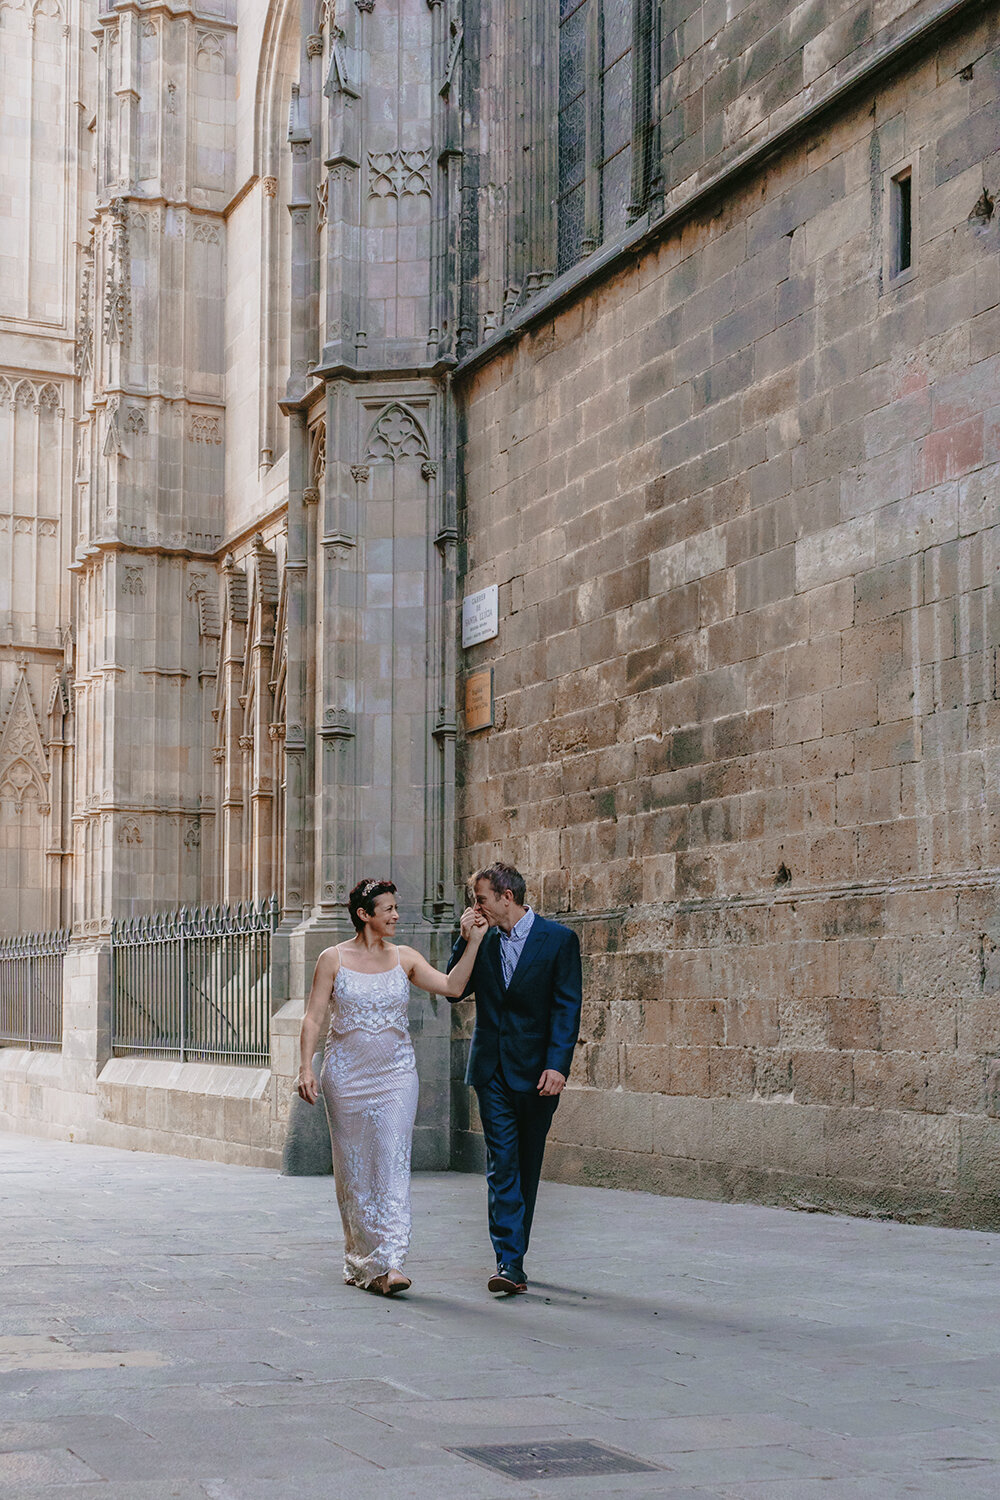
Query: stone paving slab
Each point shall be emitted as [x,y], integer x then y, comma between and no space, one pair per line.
[177,1330]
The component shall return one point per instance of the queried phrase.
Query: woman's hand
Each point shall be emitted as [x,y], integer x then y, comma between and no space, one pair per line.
[478,928]
[467,921]
[307,1085]
[452,985]
[317,1006]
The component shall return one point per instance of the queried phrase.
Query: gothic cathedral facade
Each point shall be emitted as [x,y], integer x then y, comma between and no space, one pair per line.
[673,319]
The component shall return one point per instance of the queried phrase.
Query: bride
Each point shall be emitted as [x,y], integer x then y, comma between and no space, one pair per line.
[369,1078]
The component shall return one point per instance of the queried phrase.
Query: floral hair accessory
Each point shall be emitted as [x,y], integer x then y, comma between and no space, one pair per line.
[368,888]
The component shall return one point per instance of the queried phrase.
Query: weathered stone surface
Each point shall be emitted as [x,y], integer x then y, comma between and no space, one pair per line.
[807,672]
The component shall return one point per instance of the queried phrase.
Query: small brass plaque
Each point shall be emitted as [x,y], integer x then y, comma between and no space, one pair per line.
[479,700]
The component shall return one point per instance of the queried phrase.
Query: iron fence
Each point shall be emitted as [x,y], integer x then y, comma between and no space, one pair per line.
[195,984]
[31,980]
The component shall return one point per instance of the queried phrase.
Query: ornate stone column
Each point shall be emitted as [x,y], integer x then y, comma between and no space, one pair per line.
[149,477]
[380,556]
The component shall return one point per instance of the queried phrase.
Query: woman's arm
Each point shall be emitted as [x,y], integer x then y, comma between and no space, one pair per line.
[452,985]
[319,999]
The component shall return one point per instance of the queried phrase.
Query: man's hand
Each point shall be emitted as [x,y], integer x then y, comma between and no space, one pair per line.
[470,919]
[551,1083]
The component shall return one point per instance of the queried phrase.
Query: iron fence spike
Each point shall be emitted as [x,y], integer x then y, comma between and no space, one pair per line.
[195,982]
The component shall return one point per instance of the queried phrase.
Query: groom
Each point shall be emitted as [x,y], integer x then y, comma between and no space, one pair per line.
[528,989]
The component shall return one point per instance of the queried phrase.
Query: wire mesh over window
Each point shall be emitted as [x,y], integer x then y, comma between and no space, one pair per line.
[616,113]
[605,128]
[573,101]
[561,142]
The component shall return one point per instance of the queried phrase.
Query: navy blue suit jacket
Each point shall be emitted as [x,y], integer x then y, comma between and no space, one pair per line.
[534,1024]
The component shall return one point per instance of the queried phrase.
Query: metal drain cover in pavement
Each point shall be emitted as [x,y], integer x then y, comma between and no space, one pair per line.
[573,1459]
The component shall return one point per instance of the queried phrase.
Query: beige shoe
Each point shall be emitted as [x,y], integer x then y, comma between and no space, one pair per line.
[389,1283]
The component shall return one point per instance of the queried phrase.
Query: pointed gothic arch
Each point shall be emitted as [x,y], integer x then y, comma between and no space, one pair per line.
[227,715]
[258,715]
[279,55]
[24,771]
[248,748]
[276,735]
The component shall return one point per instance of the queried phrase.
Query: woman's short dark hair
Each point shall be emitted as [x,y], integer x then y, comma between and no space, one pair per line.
[503,878]
[364,896]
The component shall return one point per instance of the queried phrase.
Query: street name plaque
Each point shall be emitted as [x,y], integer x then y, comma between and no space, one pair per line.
[480,616]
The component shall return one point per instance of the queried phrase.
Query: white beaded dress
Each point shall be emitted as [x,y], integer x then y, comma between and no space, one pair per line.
[369,1081]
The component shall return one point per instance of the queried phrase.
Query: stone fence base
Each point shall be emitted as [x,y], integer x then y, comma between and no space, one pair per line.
[210,1112]
[180,1109]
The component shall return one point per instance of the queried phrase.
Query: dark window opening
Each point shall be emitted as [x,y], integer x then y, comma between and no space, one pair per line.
[902,223]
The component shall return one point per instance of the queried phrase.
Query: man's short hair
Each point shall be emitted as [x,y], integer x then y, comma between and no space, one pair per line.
[503,878]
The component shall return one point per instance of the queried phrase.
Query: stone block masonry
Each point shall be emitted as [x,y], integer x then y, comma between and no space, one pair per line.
[741,503]
[686,337]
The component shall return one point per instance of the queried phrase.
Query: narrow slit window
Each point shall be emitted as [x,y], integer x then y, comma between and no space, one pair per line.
[902,223]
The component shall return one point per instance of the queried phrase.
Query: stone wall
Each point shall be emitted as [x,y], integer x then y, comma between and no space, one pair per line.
[741,503]
[733,74]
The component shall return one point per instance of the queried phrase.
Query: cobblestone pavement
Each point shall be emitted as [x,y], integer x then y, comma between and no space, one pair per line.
[177,1328]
